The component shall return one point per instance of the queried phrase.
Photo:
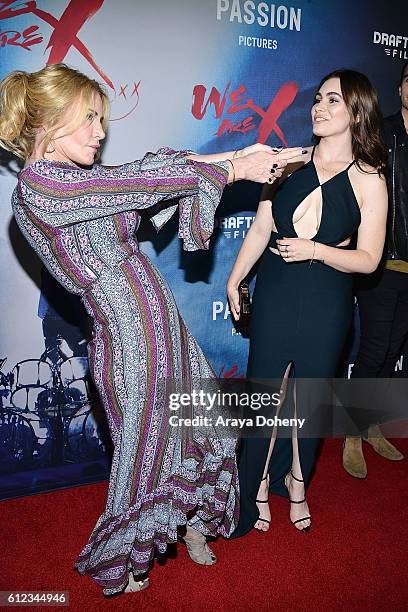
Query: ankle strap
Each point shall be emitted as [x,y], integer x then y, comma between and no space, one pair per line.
[294,477]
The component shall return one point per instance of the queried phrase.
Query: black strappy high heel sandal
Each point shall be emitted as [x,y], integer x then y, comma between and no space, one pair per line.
[263,501]
[305,518]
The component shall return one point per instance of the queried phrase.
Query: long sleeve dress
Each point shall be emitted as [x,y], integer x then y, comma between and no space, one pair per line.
[82,225]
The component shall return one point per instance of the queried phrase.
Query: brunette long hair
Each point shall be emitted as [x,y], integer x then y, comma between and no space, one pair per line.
[365,118]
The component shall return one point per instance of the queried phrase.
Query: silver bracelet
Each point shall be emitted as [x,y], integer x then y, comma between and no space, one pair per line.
[314,250]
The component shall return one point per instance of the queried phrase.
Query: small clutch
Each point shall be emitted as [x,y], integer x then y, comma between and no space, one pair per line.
[244,304]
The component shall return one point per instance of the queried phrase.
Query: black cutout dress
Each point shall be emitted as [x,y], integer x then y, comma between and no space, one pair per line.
[301,315]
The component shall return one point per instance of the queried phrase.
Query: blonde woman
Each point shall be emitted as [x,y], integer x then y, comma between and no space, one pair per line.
[81,220]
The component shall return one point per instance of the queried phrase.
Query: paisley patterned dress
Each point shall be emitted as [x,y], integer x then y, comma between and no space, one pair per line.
[82,224]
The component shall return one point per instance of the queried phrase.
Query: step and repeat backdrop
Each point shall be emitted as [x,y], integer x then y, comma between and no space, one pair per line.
[208,75]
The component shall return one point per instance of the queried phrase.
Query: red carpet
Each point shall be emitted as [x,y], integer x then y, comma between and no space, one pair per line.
[354,558]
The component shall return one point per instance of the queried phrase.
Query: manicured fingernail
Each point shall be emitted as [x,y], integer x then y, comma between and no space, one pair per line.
[273,170]
[275,166]
[304,151]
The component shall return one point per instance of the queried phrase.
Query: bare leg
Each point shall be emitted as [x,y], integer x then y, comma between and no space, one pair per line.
[296,487]
[263,522]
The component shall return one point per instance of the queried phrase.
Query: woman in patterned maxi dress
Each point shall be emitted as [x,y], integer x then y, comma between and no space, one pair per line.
[82,224]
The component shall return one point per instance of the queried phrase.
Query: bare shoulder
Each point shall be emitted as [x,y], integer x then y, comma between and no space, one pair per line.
[368,184]
[366,174]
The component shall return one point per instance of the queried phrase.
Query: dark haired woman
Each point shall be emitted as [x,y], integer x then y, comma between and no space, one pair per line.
[302,304]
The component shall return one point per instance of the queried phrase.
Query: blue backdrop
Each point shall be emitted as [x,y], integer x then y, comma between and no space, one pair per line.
[205,75]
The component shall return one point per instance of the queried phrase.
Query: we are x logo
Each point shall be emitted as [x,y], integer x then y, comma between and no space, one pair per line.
[65,29]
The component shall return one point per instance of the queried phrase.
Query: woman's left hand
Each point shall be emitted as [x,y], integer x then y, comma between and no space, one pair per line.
[263,164]
[296,249]
[255,148]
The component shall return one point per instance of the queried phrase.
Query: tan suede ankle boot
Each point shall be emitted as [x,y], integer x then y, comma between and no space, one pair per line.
[353,458]
[381,445]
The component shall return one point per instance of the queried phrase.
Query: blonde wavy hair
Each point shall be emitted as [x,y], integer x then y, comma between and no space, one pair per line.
[30,101]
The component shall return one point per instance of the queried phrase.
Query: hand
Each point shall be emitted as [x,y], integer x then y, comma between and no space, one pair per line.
[233,299]
[253,149]
[295,249]
[263,165]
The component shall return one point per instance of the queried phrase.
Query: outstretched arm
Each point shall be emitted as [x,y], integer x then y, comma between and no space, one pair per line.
[249,162]
[61,195]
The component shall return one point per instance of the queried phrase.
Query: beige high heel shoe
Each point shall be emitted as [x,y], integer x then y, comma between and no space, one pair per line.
[198,548]
[136,585]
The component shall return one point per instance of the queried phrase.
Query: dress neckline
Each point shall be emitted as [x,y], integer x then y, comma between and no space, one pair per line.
[52,161]
[346,169]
